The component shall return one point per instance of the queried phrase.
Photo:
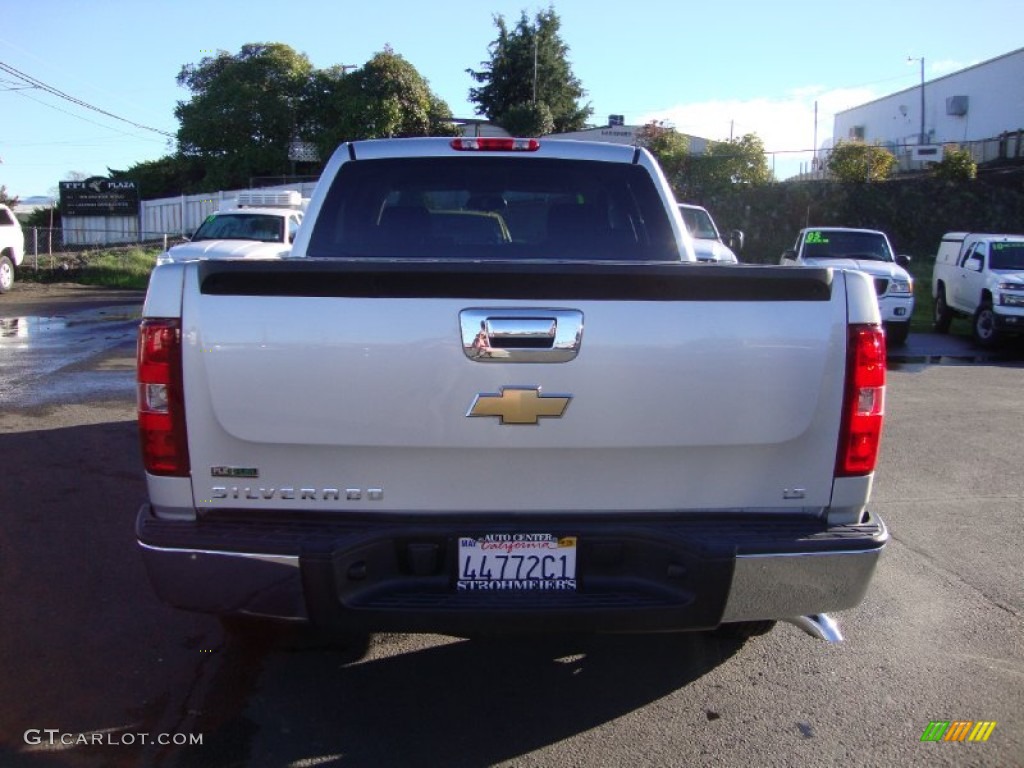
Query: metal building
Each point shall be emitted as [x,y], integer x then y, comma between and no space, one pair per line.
[980,108]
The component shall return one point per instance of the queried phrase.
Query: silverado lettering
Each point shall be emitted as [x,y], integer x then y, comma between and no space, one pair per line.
[303,494]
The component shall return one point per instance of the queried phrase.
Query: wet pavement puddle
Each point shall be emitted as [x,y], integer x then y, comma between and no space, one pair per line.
[84,355]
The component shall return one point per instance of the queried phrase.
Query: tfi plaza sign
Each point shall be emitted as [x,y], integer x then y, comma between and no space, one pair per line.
[99,197]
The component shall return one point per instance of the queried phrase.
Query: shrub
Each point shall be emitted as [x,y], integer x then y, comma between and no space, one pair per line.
[957,165]
[854,161]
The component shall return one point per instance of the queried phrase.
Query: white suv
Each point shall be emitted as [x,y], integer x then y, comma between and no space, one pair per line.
[12,247]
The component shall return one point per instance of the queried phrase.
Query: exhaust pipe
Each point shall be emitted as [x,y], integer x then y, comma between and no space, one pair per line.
[819,625]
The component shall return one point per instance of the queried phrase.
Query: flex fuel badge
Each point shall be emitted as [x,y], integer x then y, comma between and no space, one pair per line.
[234,472]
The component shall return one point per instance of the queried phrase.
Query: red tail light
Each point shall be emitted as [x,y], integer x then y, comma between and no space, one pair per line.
[160,398]
[863,403]
[495,144]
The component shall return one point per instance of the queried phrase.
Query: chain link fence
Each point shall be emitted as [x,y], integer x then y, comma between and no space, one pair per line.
[992,156]
[47,249]
[50,258]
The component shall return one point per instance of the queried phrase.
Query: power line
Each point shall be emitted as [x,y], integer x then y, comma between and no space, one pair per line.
[35,83]
[76,79]
[77,117]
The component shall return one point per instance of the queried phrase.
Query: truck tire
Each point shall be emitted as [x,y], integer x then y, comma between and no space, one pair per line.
[6,274]
[896,334]
[943,314]
[984,326]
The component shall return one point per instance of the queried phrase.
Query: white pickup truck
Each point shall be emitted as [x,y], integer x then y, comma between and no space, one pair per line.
[980,276]
[708,244]
[869,251]
[490,391]
[258,224]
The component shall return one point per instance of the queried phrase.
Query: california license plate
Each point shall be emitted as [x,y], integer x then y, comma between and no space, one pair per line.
[517,561]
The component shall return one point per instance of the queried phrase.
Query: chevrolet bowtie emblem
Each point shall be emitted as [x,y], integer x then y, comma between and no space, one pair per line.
[519,405]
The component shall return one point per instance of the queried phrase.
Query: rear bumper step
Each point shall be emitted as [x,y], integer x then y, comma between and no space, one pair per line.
[396,572]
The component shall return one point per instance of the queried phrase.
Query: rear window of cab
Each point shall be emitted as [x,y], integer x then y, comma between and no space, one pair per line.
[493,208]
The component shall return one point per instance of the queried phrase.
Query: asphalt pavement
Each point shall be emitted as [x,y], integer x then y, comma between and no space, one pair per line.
[91,652]
[954,348]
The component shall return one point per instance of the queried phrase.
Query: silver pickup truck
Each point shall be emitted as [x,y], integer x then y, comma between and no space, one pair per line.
[491,390]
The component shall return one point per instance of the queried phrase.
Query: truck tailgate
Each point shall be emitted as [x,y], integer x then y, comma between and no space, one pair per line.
[339,386]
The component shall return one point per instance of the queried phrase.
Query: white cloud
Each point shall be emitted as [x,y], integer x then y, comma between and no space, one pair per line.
[785,125]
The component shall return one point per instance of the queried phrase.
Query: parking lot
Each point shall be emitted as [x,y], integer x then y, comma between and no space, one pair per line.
[93,661]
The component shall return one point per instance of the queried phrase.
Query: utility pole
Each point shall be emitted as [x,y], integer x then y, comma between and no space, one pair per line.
[921,137]
[814,146]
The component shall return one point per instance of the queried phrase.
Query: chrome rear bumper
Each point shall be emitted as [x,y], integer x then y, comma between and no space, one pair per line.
[780,586]
[657,574]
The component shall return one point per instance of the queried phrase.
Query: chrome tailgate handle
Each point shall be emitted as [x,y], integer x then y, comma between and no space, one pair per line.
[502,335]
[522,331]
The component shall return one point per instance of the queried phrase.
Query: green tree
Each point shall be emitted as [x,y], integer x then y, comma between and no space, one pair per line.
[7,199]
[739,161]
[742,160]
[528,79]
[165,177]
[529,120]
[327,109]
[855,161]
[956,165]
[243,112]
[386,97]
[672,150]
[44,218]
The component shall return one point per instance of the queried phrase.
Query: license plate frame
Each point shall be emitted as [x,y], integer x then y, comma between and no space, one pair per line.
[517,562]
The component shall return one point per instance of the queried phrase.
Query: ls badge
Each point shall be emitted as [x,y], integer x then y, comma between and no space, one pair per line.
[519,405]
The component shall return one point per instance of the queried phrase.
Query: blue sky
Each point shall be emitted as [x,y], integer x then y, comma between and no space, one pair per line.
[708,69]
